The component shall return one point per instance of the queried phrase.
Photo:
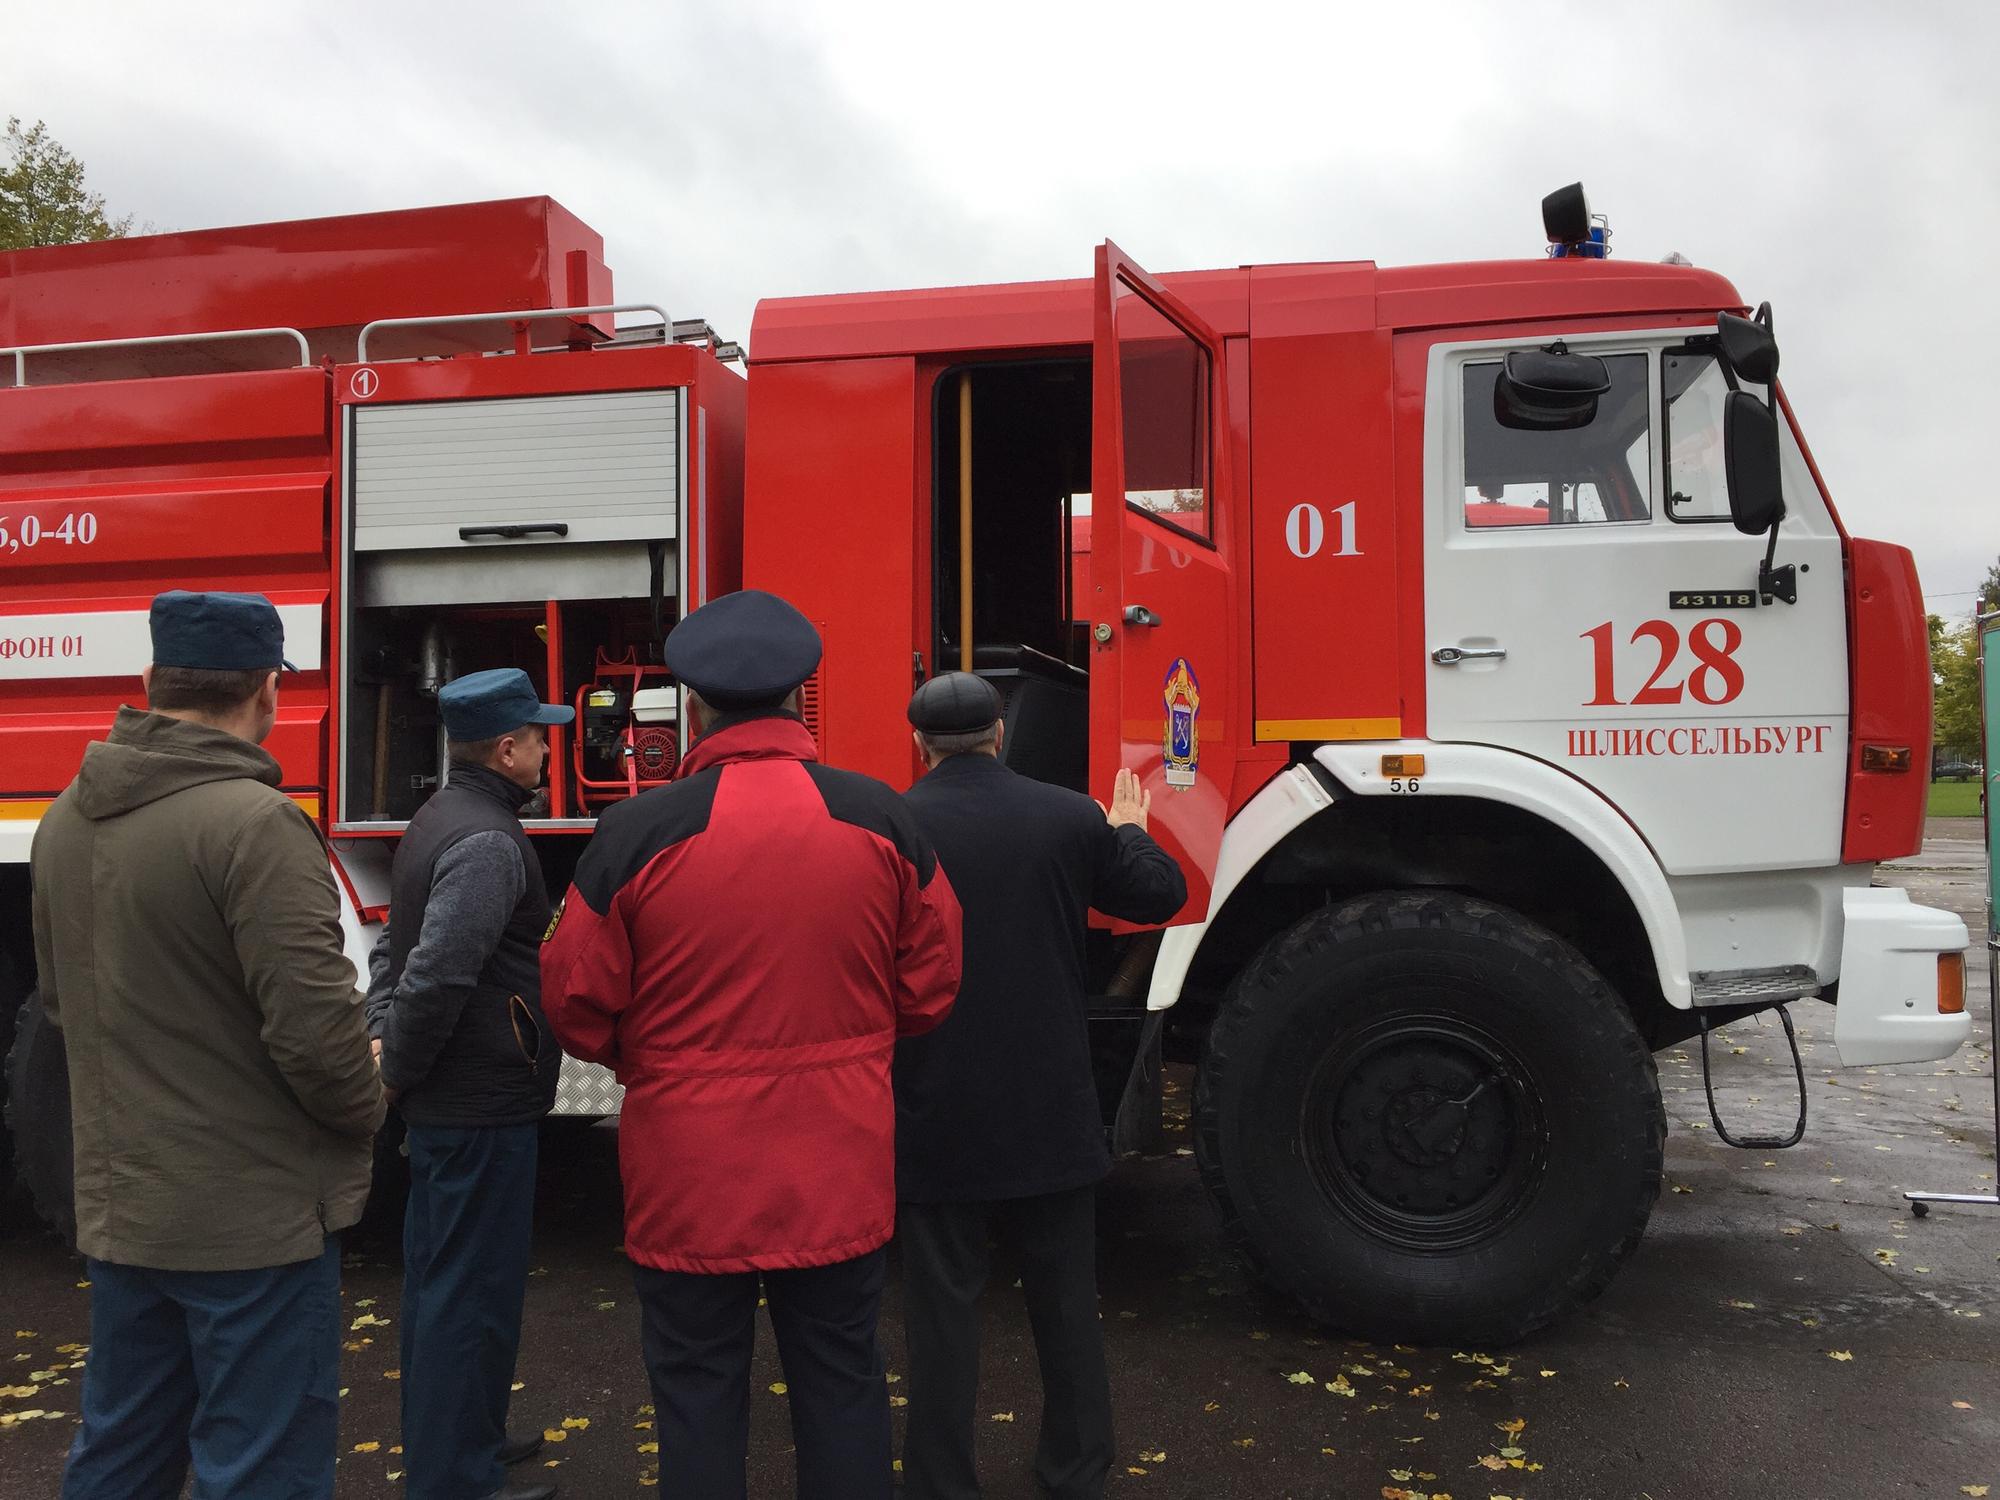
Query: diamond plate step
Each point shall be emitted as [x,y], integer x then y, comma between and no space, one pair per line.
[1754,986]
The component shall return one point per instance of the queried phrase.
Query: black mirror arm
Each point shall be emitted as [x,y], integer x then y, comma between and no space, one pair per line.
[1781,583]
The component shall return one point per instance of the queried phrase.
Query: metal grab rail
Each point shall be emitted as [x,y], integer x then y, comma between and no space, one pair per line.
[22,351]
[522,316]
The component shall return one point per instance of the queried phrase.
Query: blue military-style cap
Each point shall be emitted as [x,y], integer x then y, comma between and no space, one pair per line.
[486,705]
[217,632]
[744,650]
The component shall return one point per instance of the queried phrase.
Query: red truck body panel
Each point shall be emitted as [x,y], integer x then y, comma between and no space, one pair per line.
[213,481]
[325,277]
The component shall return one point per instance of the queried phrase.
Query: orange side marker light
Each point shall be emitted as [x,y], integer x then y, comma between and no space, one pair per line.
[1951,984]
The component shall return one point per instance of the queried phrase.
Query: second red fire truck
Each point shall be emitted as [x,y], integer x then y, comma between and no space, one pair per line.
[1505,680]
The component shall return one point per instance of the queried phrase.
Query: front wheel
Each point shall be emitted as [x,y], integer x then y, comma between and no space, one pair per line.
[1427,1118]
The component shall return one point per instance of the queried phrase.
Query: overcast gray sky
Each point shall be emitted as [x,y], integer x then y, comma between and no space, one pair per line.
[1837,159]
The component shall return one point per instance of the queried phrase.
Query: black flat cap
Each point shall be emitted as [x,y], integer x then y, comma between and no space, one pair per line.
[744,650]
[217,631]
[955,703]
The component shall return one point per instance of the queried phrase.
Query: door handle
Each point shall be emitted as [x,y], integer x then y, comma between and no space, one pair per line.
[1451,656]
[1138,614]
[514,531]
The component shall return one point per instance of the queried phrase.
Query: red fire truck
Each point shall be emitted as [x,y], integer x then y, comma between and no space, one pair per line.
[1506,682]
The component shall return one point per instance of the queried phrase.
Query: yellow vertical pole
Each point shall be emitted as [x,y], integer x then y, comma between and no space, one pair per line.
[965,522]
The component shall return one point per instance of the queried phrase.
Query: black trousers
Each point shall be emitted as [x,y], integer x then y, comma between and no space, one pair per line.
[1053,1238]
[697,1337]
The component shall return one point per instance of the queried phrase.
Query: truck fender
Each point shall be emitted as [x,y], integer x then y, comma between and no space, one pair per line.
[1480,771]
[361,870]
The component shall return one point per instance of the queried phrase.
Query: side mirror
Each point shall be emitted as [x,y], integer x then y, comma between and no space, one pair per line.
[1750,456]
[1749,346]
[1547,390]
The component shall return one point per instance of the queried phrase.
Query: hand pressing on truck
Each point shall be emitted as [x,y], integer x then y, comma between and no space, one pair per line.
[1128,803]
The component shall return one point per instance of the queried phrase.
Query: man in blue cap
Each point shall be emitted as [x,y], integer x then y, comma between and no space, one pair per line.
[744,947]
[187,944]
[454,1002]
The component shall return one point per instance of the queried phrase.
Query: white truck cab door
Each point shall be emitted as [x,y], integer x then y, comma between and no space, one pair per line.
[1589,603]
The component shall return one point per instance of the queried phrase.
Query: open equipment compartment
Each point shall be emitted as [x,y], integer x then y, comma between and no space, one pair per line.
[524,511]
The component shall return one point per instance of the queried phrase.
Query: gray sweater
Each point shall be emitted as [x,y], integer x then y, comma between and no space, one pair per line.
[474,889]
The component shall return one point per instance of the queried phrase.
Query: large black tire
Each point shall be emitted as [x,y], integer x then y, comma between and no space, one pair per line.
[38,1117]
[10,1007]
[1428,1119]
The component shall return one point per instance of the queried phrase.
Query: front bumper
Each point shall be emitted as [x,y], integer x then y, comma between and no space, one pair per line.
[1889,951]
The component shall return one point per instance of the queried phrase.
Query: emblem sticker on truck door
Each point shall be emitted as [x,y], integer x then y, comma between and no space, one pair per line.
[1181,741]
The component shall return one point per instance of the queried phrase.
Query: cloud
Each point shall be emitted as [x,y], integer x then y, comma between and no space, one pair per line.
[1830,157]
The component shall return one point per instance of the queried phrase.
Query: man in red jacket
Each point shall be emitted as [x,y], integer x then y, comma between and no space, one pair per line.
[743,948]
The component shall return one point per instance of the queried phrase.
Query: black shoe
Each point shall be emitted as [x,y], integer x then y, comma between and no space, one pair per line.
[515,1450]
[525,1489]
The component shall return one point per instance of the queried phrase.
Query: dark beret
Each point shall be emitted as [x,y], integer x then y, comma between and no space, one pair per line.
[744,650]
[955,703]
[218,632]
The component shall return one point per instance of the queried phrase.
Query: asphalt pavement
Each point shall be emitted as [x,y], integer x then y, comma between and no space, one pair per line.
[1786,1329]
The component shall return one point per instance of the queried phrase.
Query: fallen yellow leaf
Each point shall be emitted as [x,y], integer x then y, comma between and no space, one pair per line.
[367,1447]
[1956,1405]
[1514,1428]
[1003,1416]
[1152,1458]
[649,1447]
[1974,1490]
[779,1388]
[1246,1442]
[554,1435]
[1300,1377]
[576,1424]
[1840,1354]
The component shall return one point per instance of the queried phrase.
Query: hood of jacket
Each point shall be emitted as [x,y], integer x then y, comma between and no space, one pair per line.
[149,756]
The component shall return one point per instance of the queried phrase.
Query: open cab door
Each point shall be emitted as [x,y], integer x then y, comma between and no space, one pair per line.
[1162,627]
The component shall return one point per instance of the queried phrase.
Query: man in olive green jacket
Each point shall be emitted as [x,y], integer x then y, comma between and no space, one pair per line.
[187,943]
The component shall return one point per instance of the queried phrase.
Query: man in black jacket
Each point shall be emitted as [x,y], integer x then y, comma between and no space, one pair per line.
[998,1130]
[455,1006]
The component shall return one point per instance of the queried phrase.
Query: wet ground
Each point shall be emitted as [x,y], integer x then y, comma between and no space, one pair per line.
[1786,1329]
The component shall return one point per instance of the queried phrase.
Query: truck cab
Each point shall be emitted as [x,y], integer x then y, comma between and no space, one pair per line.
[1496,752]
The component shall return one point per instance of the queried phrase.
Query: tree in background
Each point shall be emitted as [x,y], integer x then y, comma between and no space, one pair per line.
[1955,696]
[43,200]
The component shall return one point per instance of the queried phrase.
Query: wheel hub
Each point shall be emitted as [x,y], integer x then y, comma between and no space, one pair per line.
[1426,1129]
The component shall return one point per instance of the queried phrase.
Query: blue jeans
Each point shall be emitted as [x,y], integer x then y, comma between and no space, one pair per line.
[465,1274]
[237,1370]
